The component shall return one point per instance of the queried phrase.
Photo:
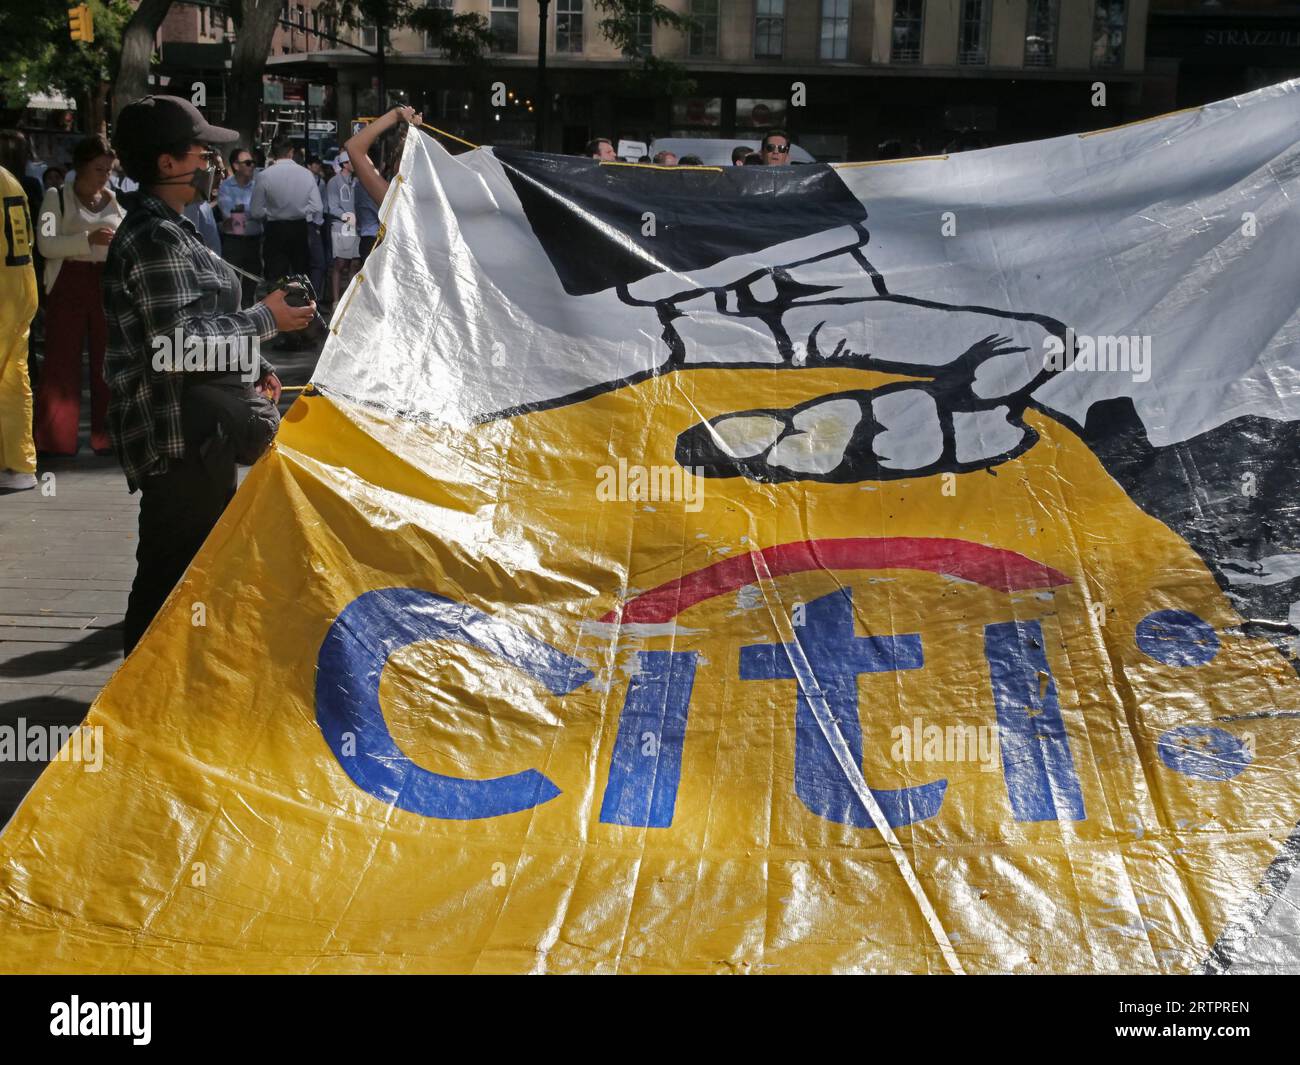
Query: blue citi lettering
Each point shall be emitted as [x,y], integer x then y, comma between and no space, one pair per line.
[823,663]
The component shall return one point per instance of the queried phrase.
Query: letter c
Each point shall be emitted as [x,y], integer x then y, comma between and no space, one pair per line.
[352,657]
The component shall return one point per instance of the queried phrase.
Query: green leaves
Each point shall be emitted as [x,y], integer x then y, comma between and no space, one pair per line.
[627,25]
[37,53]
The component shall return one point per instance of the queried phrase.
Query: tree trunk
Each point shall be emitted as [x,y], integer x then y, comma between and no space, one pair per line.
[99,109]
[137,48]
[252,48]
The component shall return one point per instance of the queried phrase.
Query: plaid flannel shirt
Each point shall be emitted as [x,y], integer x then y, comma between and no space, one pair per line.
[160,277]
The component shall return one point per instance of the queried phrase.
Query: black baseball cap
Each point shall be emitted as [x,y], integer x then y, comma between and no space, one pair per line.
[162,121]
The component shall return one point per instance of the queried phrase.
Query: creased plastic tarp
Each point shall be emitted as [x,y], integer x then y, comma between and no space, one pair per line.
[703,570]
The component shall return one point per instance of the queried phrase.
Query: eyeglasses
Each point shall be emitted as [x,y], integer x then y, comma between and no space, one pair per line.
[779,149]
[243,162]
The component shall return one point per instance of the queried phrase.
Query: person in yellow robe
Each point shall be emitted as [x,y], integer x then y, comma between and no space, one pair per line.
[17,308]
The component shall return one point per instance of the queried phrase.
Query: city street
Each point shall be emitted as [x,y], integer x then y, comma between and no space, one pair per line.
[65,572]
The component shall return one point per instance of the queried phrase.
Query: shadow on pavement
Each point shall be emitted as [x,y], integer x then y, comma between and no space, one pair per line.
[98,647]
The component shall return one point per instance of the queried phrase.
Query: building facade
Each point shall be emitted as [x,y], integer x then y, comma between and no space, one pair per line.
[842,75]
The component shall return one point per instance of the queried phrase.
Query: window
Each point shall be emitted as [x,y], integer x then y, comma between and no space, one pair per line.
[704,36]
[973,43]
[504,24]
[769,28]
[1040,33]
[835,29]
[643,44]
[445,5]
[302,17]
[1108,21]
[568,25]
[905,44]
[369,37]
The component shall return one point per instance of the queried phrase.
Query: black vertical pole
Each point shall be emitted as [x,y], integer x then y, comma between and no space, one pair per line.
[543,97]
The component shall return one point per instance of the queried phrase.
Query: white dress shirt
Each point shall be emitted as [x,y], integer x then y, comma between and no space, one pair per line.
[285,192]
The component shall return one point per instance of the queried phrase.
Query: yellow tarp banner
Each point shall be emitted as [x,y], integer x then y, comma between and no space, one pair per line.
[580,686]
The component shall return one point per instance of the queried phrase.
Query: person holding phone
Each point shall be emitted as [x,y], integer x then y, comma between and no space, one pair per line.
[241,234]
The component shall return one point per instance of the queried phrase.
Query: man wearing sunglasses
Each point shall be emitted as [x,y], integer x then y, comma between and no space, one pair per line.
[241,233]
[163,288]
[776,149]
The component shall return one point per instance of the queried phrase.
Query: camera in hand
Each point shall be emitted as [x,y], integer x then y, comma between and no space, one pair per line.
[298,291]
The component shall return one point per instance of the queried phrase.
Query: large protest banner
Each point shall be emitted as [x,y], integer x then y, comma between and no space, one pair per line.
[859,568]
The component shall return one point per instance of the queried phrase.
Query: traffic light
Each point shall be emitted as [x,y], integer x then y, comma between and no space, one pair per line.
[81,23]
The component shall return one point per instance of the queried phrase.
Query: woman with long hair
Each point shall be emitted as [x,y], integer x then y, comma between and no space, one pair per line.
[76,226]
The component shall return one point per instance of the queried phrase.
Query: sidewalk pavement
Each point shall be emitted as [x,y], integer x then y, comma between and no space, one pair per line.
[67,559]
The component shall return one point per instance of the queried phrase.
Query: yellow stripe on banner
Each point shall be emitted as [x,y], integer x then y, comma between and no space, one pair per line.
[352,291]
[660,166]
[432,129]
[886,162]
[1140,121]
[398,179]
[449,136]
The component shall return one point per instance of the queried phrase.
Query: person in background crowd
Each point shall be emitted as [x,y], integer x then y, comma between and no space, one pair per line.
[204,214]
[739,154]
[316,261]
[665,158]
[326,176]
[690,160]
[367,211]
[53,177]
[776,149]
[205,223]
[602,149]
[300,156]
[259,160]
[753,159]
[284,195]
[17,307]
[889,149]
[160,281]
[75,228]
[241,234]
[16,157]
[344,239]
[372,185]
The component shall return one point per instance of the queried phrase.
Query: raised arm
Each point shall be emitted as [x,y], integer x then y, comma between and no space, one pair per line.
[359,145]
